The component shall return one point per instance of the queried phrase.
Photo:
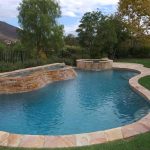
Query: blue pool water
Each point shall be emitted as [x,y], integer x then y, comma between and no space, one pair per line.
[91,102]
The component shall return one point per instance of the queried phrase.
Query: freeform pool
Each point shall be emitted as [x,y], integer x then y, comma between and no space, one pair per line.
[93,101]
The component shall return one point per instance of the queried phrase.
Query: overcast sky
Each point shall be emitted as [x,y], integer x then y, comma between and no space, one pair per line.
[72,11]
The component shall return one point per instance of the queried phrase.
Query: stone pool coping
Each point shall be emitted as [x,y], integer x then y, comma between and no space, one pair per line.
[85,139]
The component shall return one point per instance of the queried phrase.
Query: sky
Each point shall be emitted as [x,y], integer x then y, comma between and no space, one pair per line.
[72,11]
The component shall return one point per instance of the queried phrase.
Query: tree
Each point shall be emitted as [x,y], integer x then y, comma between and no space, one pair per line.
[38,21]
[87,31]
[107,36]
[71,40]
[116,34]
[101,34]
[136,15]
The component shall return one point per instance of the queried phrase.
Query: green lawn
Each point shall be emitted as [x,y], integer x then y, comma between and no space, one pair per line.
[141,142]
[145,81]
[145,62]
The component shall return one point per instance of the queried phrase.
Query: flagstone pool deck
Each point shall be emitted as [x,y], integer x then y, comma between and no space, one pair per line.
[141,126]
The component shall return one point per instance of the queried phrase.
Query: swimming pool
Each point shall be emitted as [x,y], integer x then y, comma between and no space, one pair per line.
[93,101]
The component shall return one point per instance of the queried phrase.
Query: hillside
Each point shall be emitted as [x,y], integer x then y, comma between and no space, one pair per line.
[8,32]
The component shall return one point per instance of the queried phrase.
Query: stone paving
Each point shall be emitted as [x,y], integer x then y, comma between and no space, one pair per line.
[141,126]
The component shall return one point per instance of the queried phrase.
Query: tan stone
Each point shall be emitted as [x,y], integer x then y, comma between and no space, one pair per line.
[14,140]
[97,137]
[145,121]
[59,141]
[114,134]
[3,138]
[30,141]
[35,80]
[82,139]
[94,64]
[133,129]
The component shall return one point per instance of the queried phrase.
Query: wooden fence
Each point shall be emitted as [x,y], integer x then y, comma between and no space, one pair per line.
[10,56]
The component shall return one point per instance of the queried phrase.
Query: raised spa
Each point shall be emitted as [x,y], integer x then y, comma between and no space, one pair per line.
[91,102]
[95,64]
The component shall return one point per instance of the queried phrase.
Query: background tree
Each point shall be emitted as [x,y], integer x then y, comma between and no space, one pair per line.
[117,34]
[136,15]
[71,40]
[101,34]
[38,21]
[87,31]
[107,36]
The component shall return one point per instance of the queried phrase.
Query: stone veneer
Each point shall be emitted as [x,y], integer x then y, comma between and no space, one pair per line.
[95,64]
[141,126]
[30,79]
